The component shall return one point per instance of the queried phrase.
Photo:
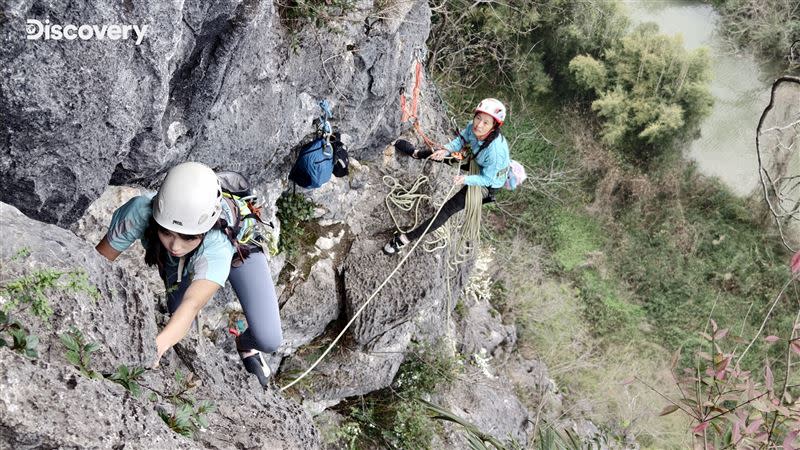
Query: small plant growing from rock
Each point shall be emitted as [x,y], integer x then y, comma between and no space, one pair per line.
[292,210]
[79,352]
[128,377]
[188,415]
[394,417]
[21,341]
[30,293]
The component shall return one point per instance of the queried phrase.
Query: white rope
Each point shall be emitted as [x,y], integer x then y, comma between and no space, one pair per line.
[361,309]
[404,198]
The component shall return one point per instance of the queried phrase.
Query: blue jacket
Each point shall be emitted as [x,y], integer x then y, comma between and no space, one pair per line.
[493,160]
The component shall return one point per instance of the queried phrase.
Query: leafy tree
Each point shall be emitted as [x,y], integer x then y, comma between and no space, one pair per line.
[581,28]
[770,27]
[649,89]
[499,39]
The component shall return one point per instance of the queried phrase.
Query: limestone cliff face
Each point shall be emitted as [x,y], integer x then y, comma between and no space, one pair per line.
[224,82]
[229,84]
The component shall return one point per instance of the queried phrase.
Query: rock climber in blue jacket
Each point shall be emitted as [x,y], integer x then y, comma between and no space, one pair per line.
[184,230]
[491,153]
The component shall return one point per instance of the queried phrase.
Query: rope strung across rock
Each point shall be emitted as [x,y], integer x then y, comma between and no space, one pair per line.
[408,199]
[361,309]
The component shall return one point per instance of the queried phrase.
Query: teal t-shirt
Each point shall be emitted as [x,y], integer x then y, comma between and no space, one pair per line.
[494,160]
[211,261]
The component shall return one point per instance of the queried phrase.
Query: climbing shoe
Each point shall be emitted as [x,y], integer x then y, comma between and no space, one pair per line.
[256,365]
[405,147]
[408,148]
[394,245]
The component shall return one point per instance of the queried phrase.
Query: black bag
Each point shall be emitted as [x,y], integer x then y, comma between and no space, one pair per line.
[341,161]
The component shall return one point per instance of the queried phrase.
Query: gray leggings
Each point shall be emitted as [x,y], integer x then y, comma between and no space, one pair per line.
[253,285]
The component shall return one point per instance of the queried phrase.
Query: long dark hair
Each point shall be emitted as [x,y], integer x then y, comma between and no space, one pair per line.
[232,232]
[489,137]
[155,254]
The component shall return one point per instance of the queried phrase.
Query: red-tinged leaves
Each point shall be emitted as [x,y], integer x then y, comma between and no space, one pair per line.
[669,409]
[721,333]
[772,338]
[714,326]
[753,427]
[737,433]
[795,265]
[788,443]
[768,378]
[796,347]
[699,429]
[722,362]
[628,381]
[705,336]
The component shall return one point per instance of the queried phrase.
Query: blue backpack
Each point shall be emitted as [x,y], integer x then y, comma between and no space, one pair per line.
[322,157]
[314,165]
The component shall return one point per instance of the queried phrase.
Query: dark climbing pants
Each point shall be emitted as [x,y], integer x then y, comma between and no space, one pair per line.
[253,285]
[454,205]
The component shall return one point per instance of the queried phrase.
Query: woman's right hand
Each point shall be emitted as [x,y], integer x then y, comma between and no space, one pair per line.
[439,155]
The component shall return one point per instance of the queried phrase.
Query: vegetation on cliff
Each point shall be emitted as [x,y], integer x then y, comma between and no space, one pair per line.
[639,252]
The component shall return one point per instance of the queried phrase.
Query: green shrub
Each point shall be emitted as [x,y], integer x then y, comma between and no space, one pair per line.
[293,210]
[649,89]
[498,37]
[294,14]
[394,417]
[770,27]
[589,72]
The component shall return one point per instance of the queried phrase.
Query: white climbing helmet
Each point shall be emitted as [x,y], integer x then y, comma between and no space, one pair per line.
[494,108]
[189,199]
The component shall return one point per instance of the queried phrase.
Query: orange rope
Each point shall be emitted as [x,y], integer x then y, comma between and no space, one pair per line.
[411,113]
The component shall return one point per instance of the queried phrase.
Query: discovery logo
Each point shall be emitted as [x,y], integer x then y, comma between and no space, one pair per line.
[35,29]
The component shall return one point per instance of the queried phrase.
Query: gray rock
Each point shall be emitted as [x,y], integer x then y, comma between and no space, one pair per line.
[349,371]
[52,406]
[130,341]
[535,388]
[489,404]
[419,285]
[46,402]
[223,83]
[482,328]
[313,305]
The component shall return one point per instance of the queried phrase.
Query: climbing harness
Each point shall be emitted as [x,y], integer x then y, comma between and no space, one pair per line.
[249,226]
